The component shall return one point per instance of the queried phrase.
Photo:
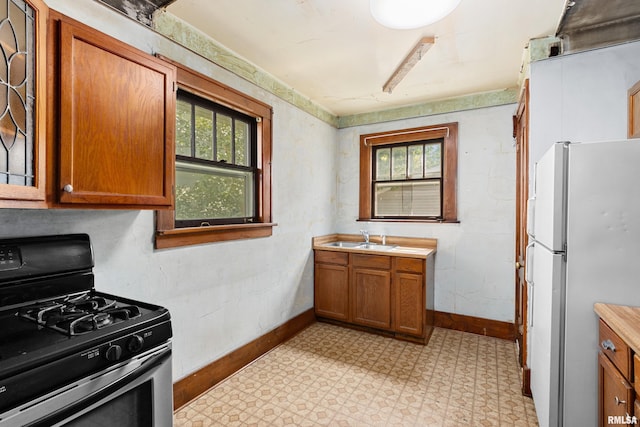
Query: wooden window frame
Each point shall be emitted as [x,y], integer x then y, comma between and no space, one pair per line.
[447,131]
[634,111]
[167,235]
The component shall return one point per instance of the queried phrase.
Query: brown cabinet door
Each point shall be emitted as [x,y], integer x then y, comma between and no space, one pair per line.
[331,291]
[371,297]
[409,313]
[616,396]
[117,121]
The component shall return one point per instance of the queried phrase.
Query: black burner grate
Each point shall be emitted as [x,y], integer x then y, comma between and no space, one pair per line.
[80,314]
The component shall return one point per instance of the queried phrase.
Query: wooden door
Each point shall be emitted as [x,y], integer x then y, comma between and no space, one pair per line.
[23,125]
[521,136]
[615,394]
[409,313]
[331,291]
[371,297]
[117,122]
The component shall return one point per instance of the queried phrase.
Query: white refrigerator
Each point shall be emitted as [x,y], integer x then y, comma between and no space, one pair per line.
[584,247]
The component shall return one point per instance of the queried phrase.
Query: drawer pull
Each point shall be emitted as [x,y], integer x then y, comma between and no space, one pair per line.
[620,402]
[608,345]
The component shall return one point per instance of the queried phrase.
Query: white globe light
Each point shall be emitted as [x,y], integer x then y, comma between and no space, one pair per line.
[408,14]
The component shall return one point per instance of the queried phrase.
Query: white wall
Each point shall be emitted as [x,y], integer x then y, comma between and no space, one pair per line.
[220,295]
[474,267]
[581,97]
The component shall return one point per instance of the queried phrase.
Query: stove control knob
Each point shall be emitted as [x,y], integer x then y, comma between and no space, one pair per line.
[113,353]
[135,344]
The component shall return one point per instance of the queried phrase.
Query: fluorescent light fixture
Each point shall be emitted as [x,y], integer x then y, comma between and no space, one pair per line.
[408,14]
[408,63]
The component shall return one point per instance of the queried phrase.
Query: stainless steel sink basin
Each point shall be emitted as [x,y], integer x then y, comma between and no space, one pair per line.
[361,245]
[345,244]
[376,246]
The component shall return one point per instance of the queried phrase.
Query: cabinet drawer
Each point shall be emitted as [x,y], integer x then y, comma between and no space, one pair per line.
[330,257]
[615,349]
[371,261]
[412,265]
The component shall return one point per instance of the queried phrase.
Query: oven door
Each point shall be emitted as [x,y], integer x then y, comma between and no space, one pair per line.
[137,393]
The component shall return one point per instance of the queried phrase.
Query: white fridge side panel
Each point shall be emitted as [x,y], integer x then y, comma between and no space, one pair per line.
[549,203]
[603,253]
[545,334]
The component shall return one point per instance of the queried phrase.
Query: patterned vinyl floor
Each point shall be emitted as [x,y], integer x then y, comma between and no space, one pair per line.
[333,376]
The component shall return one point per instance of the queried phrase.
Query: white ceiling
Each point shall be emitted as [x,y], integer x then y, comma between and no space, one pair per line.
[333,52]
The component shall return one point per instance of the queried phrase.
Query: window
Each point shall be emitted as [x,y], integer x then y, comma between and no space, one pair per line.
[223,165]
[215,164]
[409,174]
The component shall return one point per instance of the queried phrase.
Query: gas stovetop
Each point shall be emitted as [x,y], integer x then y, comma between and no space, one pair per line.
[55,327]
[43,331]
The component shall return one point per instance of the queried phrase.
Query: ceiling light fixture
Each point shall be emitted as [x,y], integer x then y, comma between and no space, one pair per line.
[408,14]
[408,63]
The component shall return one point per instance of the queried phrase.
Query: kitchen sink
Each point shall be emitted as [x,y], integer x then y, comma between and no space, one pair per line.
[345,244]
[361,245]
[376,246]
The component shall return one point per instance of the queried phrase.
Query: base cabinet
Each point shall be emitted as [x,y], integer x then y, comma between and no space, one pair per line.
[616,396]
[375,292]
[616,392]
[331,285]
[371,297]
[410,316]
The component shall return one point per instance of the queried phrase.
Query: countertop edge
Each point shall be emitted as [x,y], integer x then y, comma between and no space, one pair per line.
[421,253]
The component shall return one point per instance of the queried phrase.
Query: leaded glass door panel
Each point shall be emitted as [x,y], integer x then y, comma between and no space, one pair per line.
[22,100]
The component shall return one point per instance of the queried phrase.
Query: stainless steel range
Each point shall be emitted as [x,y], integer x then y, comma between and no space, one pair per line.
[70,355]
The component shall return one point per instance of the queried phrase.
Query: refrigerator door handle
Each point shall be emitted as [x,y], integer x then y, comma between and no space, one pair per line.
[530,304]
[528,255]
[531,216]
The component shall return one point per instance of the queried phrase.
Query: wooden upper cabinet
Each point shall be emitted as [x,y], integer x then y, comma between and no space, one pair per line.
[23,34]
[117,122]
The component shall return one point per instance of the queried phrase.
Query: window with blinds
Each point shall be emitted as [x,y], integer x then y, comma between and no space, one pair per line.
[407,180]
[409,174]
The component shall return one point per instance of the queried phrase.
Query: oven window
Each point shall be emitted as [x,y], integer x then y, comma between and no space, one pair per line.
[131,409]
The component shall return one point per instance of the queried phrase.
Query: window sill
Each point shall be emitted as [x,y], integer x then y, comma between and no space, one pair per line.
[427,221]
[218,233]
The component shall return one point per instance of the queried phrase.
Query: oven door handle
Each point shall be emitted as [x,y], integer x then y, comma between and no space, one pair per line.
[145,367]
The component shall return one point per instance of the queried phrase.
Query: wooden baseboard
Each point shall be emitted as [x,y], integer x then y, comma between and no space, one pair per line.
[475,325]
[200,381]
[526,382]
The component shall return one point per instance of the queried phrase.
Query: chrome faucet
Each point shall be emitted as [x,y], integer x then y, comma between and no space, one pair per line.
[365,234]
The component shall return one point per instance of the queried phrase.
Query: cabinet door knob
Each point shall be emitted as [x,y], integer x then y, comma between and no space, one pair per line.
[620,402]
[608,345]
[68,188]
